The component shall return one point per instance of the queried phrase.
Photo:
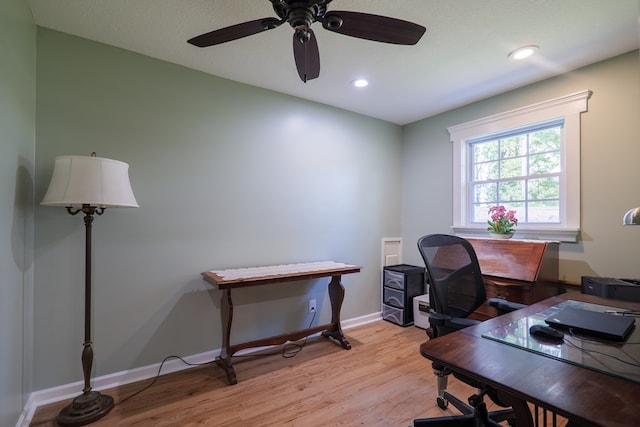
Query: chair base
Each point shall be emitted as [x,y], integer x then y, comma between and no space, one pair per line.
[474,414]
[478,418]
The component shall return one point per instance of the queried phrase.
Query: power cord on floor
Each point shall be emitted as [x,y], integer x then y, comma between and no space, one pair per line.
[158,375]
[289,350]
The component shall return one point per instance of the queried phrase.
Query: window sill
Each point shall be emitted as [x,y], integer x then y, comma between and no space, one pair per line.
[548,234]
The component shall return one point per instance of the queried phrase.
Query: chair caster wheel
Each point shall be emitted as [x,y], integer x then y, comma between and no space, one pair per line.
[442,402]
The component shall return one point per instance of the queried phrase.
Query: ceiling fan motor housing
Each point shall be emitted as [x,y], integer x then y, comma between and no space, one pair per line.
[300,17]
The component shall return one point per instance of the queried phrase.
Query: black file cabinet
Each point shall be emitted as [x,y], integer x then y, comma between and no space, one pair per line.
[400,283]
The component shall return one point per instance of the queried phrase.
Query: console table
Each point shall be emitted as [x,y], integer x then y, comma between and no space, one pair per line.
[226,280]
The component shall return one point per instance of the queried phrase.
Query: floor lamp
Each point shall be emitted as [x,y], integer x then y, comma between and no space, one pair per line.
[88,184]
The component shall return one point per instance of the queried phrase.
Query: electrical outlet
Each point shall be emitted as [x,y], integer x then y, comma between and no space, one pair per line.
[312,305]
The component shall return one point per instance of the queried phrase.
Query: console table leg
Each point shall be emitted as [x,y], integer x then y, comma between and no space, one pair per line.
[226,315]
[336,296]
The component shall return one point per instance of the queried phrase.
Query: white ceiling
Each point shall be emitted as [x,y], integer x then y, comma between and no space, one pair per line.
[461,58]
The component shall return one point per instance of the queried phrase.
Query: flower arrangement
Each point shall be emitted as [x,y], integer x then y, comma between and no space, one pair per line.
[502,221]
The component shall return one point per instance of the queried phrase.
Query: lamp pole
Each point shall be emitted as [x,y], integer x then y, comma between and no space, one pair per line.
[90,405]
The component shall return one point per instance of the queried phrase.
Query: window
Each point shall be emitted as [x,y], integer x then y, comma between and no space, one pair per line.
[527,160]
[520,169]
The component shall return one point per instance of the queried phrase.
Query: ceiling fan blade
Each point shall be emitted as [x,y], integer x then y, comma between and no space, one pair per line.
[235,32]
[373,27]
[306,54]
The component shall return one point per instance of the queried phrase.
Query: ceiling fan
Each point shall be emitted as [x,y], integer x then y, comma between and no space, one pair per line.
[300,14]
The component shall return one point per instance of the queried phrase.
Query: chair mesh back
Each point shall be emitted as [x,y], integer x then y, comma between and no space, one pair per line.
[455,280]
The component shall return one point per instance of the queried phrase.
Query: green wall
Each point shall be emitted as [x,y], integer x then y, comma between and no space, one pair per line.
[610,150]
[226,175]
[17,151]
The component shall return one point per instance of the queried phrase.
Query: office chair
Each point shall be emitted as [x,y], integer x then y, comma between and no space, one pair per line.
[456,289]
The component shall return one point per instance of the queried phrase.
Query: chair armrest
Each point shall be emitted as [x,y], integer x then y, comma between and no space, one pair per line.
[438,319]
[503,306]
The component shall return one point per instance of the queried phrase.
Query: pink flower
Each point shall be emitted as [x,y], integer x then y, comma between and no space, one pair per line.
[502,220]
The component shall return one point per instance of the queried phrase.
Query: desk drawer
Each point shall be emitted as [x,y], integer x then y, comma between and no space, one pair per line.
[514,292]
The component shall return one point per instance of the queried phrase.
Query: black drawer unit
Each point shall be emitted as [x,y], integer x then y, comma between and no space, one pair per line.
[400,283]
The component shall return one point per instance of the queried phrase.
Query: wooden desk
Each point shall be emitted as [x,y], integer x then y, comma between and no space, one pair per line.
[226,280]
[523,271]
[582,395]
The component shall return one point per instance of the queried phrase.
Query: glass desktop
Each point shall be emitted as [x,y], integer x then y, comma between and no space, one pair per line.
[620,359]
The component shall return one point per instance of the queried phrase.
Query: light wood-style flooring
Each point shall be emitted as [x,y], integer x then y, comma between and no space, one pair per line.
[381,381]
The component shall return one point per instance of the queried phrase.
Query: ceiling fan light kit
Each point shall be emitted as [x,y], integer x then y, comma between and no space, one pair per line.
[301,14]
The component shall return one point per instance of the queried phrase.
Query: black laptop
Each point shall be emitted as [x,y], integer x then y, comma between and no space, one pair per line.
[602,325]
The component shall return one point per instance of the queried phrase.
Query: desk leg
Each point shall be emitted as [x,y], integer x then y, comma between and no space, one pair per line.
[336,295]
[226,315]
[520,409]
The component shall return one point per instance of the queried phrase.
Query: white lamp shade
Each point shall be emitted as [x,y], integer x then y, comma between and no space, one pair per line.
[632,217]
[94,181]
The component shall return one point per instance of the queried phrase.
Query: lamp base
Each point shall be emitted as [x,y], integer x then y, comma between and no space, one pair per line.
[85,409]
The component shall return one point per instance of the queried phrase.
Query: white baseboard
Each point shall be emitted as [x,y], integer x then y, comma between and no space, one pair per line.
[71,390]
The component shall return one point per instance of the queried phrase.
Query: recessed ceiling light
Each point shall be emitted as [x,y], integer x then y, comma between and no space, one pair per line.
[523,52]
[360,83]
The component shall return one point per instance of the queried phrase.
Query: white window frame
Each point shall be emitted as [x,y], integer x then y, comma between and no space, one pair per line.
[568,107]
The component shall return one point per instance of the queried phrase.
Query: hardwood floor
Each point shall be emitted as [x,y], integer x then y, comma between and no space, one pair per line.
[381,381]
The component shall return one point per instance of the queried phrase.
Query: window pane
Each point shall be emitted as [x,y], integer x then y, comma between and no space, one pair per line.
[485,151]
[486,171]
[480,212]
[513,146]
[513,168]
[544,212]
[545,140]
[485,193]
[544,163]
[544,188]
[511,191]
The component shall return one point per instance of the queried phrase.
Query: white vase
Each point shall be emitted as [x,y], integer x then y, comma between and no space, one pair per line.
[501,235]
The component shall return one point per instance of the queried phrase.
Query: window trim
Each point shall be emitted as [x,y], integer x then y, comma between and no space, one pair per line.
[570,107]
